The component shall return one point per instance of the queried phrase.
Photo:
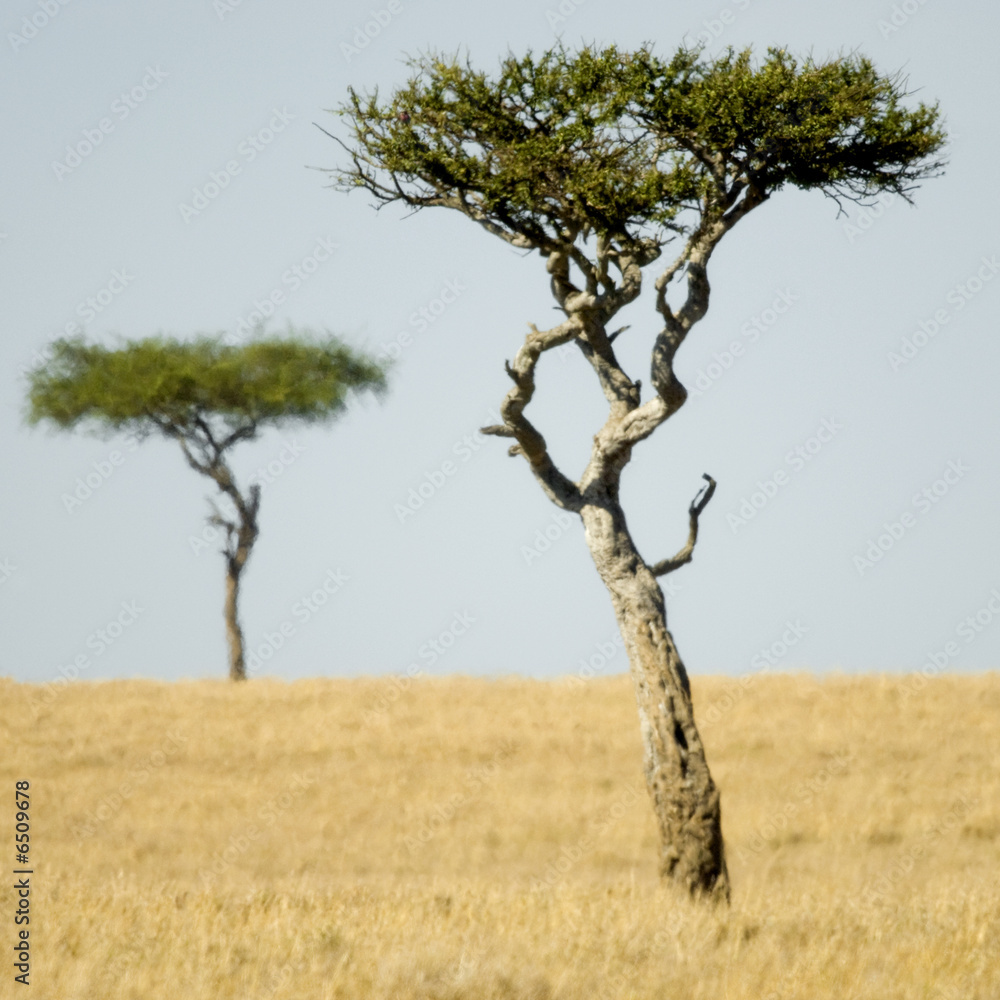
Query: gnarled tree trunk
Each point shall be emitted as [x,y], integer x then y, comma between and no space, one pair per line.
[234,634]
[685,799]
[240,541]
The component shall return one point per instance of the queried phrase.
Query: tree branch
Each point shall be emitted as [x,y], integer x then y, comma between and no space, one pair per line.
[619,390]
[671,394]
[530,443]
[630,259]
[716,222]
[239,537]
[246,432]
[497,430]
[694,511]
[570,298]
[592,311]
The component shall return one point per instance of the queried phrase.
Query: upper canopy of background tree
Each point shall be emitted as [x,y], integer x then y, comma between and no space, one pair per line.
[172,385]
[627,146]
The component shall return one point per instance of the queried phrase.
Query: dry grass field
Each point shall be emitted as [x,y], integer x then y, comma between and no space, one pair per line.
[457,838]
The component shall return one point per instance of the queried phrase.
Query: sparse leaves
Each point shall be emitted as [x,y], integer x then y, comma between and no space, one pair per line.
[629,147]
[158,382]
[599,158]
[839,126]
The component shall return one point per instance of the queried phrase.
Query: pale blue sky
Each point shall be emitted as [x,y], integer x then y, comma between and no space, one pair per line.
[183,91]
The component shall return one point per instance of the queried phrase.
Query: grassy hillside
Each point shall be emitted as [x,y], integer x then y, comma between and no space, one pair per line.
[462,838]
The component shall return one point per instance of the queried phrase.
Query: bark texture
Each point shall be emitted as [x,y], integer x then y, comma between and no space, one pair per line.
[234,633]
[684,796]
[685,800]
[239,543]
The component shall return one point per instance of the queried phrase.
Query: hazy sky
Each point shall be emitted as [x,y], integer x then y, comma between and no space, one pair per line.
[133,235]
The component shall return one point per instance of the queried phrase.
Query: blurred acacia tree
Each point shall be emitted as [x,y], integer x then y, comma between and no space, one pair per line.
[208,396]
[598,160]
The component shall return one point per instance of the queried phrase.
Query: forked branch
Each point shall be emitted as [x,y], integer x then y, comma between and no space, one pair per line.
[694,511]
[530,443]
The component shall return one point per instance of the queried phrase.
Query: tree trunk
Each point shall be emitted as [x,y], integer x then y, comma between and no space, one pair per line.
[239,542]
[685,799]
[234,634]
[241,533]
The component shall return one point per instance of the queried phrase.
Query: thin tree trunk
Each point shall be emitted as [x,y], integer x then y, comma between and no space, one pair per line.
[685,799]
[234,634]
[238,548]
[240,541]
[241,533]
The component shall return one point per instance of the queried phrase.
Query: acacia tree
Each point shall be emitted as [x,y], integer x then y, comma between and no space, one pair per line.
[207,396]
[598,160]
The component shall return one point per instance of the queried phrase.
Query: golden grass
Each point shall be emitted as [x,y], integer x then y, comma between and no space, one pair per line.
[460,838]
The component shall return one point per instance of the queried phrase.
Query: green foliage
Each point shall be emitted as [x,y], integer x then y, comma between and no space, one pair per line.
[535,147]
[839,126]
[613,142]
[161,383]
